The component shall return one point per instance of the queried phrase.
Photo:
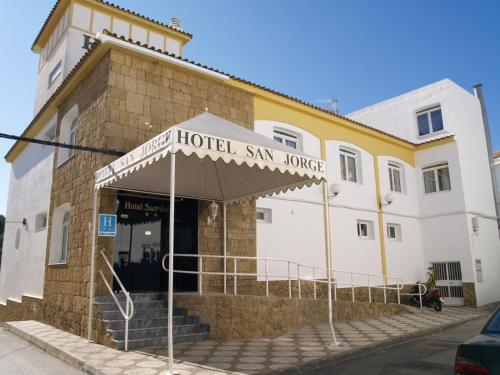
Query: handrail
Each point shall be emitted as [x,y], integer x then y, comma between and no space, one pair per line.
[371,284]
[419,294]
[129,307]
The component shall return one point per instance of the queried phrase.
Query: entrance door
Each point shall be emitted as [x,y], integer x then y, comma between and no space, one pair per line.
[449,281]
[141,242]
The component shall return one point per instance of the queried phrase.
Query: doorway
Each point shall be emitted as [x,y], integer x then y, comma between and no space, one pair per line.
[449,282]
[141,242]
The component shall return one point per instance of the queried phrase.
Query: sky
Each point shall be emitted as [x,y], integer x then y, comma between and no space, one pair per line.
[359,52]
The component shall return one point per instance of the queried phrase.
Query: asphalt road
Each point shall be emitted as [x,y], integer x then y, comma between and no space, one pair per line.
[21,358]
[432,354]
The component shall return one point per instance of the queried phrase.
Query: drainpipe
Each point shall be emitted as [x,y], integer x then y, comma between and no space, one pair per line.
[478,92]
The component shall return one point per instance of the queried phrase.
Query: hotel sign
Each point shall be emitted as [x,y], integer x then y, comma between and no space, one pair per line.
[107,225]
[205,145]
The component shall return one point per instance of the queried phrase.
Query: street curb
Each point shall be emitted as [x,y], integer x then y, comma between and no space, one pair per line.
[327,360]
[54,351]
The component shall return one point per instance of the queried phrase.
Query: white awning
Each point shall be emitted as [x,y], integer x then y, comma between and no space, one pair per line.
[216,160]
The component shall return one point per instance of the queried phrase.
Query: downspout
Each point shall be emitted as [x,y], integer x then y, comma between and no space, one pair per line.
[478,92]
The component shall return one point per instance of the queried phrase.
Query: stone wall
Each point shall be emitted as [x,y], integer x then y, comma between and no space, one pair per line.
[124,101]
[235,317]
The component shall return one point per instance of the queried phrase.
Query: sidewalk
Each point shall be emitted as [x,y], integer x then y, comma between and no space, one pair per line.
[305,349]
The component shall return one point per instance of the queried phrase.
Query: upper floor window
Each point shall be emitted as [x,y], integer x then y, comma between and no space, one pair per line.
[286,138]
[72,138]
[436,178]
[349,165]
[430,121]
[396,177]
[394,232]
[68,135]
[56,72]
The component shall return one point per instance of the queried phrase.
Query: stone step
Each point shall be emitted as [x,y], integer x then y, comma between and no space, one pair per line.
[145,333]
[133,296]
[138,305]
[161,341]
[142,314]
[150,323]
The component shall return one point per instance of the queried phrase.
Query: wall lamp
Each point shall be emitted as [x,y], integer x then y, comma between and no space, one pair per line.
[334,190]
[389,198]
[214,210]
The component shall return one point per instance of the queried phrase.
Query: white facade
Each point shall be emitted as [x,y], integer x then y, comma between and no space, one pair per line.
[24,247]
[432,227]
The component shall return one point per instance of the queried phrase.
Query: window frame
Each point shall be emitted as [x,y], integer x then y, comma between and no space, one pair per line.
[54,74]
[267,215]
[283,136]
[63,258]
[45,222]
[344,154]
[397,232]
[60,235]
[369,229]
[437,183]
[392,165]
[428,113]
[72,137]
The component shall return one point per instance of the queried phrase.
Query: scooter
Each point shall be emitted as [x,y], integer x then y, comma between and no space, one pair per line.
[431,298]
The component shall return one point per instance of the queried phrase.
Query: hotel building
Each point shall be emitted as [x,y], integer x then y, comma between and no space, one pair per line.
[409,179]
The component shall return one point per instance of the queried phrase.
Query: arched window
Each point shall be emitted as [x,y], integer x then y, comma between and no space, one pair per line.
[72,138]
[59,235]
[350,164]
[65,237]
[67,134]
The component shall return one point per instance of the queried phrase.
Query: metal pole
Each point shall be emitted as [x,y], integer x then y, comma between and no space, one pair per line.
[171,267]
[289,282]
[200,274]
[298,280]
[92,267]
[369,291]
[328,249]
[225,248]
[127,312]
[314,283]
[352,288]
[267,279]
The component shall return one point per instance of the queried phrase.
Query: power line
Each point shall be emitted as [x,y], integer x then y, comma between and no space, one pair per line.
[107,151]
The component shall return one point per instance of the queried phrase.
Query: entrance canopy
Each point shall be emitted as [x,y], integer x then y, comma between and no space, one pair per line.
[215,160]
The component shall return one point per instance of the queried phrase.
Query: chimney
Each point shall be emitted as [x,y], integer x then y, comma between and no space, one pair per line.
[176,23]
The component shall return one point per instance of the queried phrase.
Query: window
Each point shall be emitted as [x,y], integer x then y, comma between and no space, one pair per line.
[430,121]
[436,178]
[55,73]
[395,177]
[68,134]
[59,239]
[72,139]
[264,215]
[286,138]
[40,221]
[65,238]
[394,232]
[349,165]
[365,229]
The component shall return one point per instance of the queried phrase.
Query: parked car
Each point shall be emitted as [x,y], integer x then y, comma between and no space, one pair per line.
[481,354]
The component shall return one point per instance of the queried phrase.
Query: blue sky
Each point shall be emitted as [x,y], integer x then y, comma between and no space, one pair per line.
[357,51]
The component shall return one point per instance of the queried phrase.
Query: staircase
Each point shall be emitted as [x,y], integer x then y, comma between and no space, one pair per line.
[148,326]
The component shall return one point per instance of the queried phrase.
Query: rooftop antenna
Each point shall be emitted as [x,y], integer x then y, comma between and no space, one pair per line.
[330,104]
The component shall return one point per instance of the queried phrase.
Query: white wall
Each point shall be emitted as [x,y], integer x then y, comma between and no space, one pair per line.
[297,229]
[488,252]
[22,270]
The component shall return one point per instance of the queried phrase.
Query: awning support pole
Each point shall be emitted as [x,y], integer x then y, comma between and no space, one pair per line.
[92,267]
[328,247]
[171,267]
[225,247]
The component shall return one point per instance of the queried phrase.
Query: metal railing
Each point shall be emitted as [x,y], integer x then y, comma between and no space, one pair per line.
[295,272]
[129,304]
[419,294]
